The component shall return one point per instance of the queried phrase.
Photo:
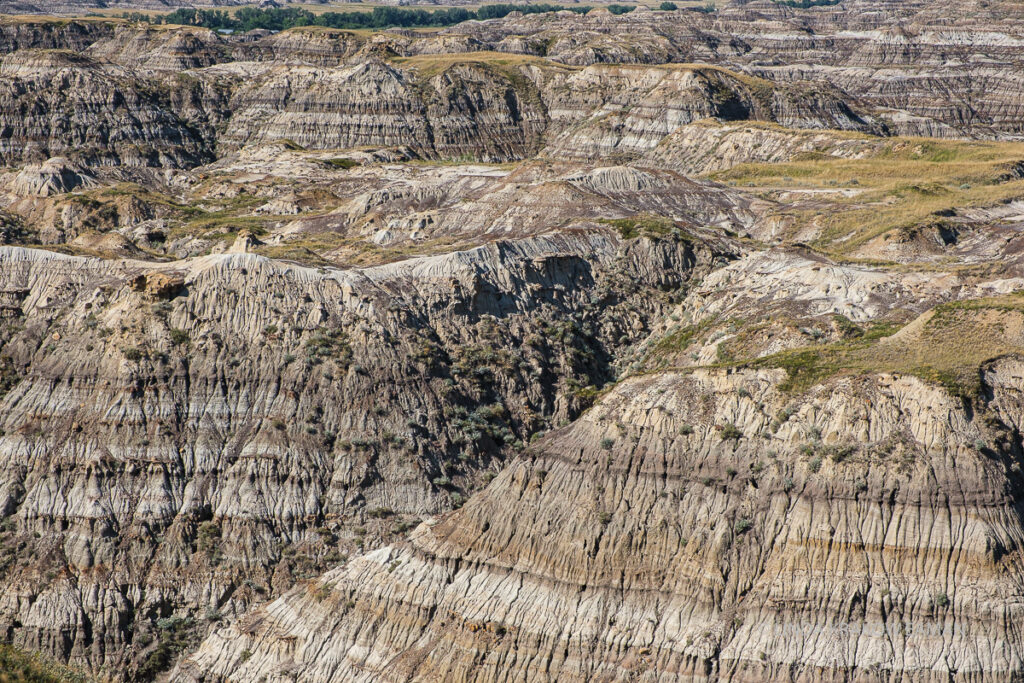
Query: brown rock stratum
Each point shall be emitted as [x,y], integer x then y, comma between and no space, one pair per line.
[667,346]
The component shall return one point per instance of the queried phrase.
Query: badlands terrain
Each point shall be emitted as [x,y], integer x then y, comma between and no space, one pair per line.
[664,346]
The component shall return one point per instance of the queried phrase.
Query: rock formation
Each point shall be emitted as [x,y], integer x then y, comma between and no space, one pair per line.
[679,531]
[658,346]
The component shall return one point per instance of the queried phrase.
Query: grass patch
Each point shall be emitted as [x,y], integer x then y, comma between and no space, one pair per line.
[678,340]
[945,346]
[906,182]
[18,666]
[342,163]
[646,225]
[428,66]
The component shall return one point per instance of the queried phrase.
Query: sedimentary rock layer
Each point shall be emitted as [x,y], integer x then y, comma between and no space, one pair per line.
[687,527]
[156,462]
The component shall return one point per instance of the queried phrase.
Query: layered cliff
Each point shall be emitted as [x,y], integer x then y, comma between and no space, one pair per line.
[181,95]
[554,347]
[157,467]
[60,103]
[688,527]
[148,114]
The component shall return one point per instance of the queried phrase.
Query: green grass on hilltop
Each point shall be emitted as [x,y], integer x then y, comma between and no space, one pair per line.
[905,183]
[946,345]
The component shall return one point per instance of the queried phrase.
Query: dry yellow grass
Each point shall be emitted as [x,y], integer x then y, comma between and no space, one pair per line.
[907,181]
[946,345]
[429,65]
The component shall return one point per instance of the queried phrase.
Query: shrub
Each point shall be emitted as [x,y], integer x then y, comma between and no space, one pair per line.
[841,453]
[208,537]
[607,444]
[743,526]
[730,432]
[686,430]
[668,7]
[342,163]
[179,337]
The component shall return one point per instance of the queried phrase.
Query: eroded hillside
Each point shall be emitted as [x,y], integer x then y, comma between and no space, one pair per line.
[660,346]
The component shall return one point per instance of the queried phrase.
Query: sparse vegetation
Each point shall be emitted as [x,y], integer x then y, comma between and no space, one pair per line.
[133,353]
[342,163]
[730,432]
[945,346]
[174,635]
[644,225]
[900,185]
[208,538]
[18,666]
[278,19]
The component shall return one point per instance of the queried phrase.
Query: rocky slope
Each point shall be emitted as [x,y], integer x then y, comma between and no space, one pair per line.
[138,115]
[681,531]
[58,103]
[313,85]
[553,347]
[378,395]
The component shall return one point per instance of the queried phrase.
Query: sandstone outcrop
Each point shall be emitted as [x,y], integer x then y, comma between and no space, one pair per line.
[864,534]
[58,103]
[651,346]
[380,395]
[54,176]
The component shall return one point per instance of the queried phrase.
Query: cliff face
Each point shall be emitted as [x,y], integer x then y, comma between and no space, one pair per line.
[464,111]
[178,94]
[143,115]
[155,463]
[680,530]
[51,35]
[468,354]
[59,103]
[629,110]
[160,49]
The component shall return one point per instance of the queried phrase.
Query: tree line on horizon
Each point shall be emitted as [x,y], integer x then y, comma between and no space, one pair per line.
[279,19]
